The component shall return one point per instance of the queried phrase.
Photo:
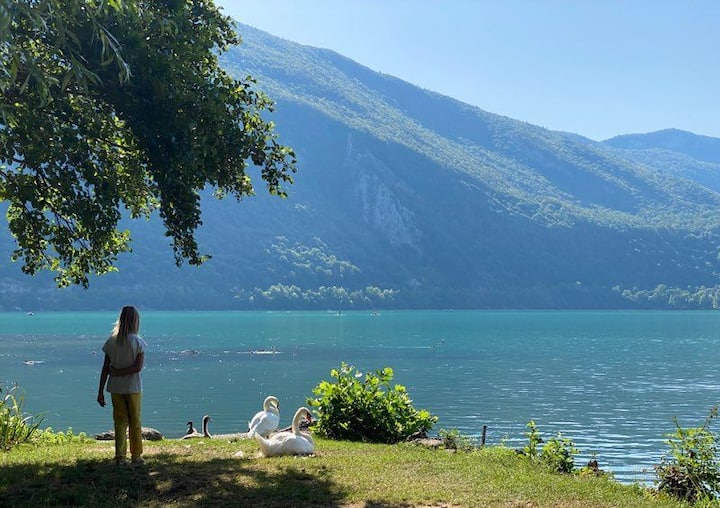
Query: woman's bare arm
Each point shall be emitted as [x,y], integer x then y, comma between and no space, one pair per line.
[104,373]
[136,367]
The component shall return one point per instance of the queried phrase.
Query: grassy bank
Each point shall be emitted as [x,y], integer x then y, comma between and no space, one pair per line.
[221,473]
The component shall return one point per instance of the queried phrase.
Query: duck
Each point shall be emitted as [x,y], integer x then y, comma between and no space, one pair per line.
[266,421]
[294,442]
[191,429]
[193,433]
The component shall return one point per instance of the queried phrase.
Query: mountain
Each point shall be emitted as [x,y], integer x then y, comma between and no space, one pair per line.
[677,152]
[702,148]
[405,198]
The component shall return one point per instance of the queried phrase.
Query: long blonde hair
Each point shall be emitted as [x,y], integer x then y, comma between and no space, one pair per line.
[127,323]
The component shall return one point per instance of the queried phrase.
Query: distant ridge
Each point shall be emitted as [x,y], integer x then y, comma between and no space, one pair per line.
[704,148]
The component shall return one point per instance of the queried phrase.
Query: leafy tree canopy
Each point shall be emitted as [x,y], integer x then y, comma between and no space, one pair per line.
[113,105]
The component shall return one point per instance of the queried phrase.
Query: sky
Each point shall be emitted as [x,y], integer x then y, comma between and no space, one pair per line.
[599,68]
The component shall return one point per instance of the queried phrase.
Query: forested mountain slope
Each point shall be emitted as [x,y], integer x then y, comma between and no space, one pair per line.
[702,148]
[408,199]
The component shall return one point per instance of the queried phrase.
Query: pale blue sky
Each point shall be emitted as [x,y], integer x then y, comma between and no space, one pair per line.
[598,68]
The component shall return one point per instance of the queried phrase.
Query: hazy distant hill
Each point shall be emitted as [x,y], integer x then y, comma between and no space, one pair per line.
[678,152]
[702,148]
[406,198]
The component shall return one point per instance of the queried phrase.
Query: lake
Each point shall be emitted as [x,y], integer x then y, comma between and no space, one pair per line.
[610,381]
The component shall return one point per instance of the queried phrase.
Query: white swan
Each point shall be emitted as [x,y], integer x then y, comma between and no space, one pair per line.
[266,421]
[193,433]
[288,443]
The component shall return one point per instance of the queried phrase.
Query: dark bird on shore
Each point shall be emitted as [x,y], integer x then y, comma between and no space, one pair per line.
[193,433]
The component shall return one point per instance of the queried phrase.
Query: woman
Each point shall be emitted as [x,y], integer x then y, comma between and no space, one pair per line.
[124,357]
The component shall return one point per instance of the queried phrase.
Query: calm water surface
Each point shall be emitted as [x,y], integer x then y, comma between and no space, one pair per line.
[610,381]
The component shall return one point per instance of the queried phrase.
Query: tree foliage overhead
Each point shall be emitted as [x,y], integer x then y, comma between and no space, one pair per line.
[112,105]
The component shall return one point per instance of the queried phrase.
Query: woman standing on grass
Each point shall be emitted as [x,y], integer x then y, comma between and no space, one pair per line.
[124,357]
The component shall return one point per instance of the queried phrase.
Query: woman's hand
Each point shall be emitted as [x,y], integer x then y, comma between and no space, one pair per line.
[101,399]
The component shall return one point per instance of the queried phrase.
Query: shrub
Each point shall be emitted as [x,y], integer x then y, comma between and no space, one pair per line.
[48,436]
[368,409]
[454,440]
[559,454]
[690,471]
[15,427]
[534,439]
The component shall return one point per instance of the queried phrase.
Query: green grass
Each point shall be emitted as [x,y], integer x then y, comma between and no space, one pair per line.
[342,474]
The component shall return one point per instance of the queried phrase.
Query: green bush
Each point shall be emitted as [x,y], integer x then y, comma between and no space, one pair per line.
[369,409]
[454,440]
[690,471]
[558,453]
[15,427]
[48,436]
[534,439]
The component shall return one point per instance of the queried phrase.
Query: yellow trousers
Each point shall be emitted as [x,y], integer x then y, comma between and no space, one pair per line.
[126,416]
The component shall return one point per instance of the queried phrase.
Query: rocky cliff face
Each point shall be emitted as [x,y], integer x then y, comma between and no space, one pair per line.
[381,208]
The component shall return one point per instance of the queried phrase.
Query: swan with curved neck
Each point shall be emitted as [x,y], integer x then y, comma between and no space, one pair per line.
[193,433]
[293,442]
[266,421]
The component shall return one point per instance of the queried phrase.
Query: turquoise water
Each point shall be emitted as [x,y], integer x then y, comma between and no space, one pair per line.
[610,381]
